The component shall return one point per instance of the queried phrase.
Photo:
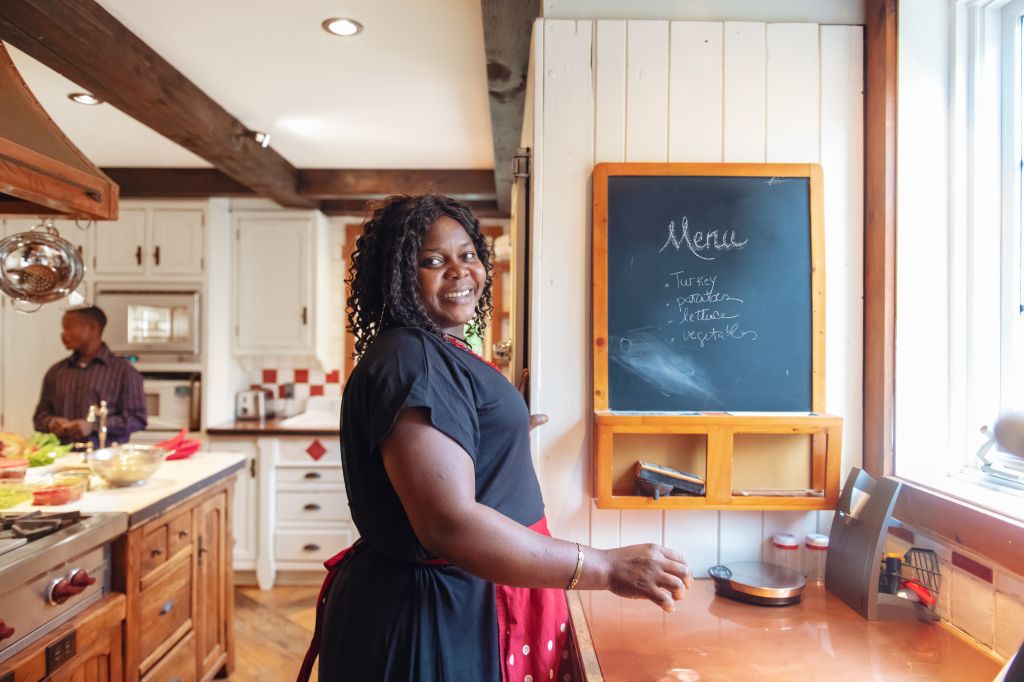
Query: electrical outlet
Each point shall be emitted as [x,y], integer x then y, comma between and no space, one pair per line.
[58,653]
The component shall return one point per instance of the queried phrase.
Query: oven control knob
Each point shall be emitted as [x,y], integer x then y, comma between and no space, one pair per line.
[79,578]
[5,631]
[61,590]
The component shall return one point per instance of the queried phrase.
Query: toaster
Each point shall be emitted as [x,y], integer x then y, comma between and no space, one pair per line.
[251,404]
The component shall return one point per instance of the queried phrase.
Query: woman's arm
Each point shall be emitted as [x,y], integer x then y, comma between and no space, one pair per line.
[434,478]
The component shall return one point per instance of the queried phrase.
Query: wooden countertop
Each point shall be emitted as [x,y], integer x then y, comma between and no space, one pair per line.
[713,638]
[266,427]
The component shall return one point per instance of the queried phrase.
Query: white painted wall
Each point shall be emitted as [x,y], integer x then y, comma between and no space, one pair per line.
[654,90]
[817,11]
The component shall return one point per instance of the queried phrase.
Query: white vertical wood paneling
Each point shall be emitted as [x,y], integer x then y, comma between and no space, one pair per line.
[609,145]
[842,139]
[791,95]
[695,134]
[646,140]
[646,90]
[561,362]
[658,91]
[743,122]
[610,91]
[695,92]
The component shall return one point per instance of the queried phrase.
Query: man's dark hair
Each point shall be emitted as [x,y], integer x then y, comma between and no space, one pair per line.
[93,313]
[385,289]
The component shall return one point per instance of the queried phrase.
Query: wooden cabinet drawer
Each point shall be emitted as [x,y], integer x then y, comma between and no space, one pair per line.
[166,607]
[310,450]
[316,546]
[310,476]
[178,665]
[154,549]
[179,532]
[312,506]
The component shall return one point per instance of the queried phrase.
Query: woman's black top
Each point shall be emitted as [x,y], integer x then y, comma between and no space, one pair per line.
[390,617]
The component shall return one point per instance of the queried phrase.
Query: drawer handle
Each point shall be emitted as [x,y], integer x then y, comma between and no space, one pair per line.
[166,608]
[312,476]
[312,506]
[311,548]
[182,534]
[155,552]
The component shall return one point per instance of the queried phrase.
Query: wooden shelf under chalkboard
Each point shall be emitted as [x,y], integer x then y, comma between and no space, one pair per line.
[707,444]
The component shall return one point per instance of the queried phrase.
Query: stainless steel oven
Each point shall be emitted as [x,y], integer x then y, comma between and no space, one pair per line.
[152,325]
[172,402]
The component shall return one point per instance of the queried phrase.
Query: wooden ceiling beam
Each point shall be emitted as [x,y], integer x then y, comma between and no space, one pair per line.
[175,183]
[507,30]
[331,183]
[83,42]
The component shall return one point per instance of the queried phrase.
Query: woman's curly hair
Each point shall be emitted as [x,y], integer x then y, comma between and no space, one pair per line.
[384,287]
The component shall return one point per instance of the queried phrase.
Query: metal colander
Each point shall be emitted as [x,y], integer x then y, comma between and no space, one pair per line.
[39,266]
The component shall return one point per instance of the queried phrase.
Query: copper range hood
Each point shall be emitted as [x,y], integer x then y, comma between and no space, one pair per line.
[41,171]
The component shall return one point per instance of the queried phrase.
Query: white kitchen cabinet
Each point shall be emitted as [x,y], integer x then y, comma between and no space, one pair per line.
[246,511]
[306,517]
[152,239]
[31,341]
[281,286]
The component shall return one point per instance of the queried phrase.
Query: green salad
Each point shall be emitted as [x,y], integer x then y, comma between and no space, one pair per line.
[47,448]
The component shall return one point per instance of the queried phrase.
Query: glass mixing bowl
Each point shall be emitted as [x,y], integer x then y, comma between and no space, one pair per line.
[124,465]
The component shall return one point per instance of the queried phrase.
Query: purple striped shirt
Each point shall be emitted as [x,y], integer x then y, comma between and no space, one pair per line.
[69,390]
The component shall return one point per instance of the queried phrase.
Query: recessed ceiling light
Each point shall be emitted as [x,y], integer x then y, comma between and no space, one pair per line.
[84,98]
[342,27]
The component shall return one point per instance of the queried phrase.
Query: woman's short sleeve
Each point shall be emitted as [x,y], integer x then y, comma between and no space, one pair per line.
[413,370]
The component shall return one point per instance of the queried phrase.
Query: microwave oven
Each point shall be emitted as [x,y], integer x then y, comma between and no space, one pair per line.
[156,325]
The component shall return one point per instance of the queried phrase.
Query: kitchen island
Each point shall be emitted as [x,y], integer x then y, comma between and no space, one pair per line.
[714,638]
[168,609]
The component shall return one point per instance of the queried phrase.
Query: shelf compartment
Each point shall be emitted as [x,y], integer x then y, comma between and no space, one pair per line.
[730,447]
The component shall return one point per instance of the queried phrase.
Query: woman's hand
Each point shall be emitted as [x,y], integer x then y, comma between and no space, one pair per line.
[649,572]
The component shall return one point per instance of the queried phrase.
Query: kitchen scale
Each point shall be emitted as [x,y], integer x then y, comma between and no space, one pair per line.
[756,583]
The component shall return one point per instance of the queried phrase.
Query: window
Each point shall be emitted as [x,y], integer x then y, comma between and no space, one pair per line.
[959,358]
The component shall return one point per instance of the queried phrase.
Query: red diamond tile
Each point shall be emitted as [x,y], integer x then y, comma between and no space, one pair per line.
[316,450]
[334,377]
[316,389]
[270,376]
[302,376]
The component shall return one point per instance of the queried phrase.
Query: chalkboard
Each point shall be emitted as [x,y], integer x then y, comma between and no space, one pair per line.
[712,286]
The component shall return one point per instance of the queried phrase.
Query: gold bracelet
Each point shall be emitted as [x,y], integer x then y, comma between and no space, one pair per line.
[579,568]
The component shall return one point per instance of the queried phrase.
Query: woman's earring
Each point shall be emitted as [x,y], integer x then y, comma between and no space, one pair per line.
[381,320]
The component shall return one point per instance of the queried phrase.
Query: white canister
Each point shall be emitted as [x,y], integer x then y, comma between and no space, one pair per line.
[814,551]
[785,551]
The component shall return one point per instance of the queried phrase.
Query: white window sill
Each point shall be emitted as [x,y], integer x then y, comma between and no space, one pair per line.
[976,488]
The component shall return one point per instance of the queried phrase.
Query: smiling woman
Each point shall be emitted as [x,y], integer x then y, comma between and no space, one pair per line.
[455,575]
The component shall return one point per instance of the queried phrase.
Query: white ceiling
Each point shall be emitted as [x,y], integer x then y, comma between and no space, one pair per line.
[410,91]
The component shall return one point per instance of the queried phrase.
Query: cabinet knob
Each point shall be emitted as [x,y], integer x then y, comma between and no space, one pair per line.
[311,547]
[312,506]
[155,552]
[156,256]
[305,315]
[182,534]
[166,608]
[138,255]
[312,476]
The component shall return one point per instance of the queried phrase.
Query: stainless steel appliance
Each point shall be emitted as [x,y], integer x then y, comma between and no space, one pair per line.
[60,570]
[757,583]
[251,404]
[172,401]
[153,325]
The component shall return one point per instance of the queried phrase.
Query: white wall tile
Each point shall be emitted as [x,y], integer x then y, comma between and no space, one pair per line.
[640,526]
[694,534]
[604,527]
[1009,584]
[1009,624]
[740,536]
[972,606]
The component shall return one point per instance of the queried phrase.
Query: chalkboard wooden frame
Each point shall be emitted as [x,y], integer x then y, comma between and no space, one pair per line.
[604,171]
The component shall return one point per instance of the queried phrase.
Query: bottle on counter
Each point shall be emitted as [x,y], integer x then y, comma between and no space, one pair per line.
[785,551]
[814,551]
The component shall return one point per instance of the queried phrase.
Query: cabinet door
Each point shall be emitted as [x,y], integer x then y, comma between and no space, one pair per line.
[31,341]
[273,294]
[176,241]
[245,511]
[121,245]
[212,583]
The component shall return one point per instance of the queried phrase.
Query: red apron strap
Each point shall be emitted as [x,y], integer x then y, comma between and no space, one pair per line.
[332,565]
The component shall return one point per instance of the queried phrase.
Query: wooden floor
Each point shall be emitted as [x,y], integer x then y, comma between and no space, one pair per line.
[272,631]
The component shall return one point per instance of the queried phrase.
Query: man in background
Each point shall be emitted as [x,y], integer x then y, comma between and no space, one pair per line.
[90,375]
